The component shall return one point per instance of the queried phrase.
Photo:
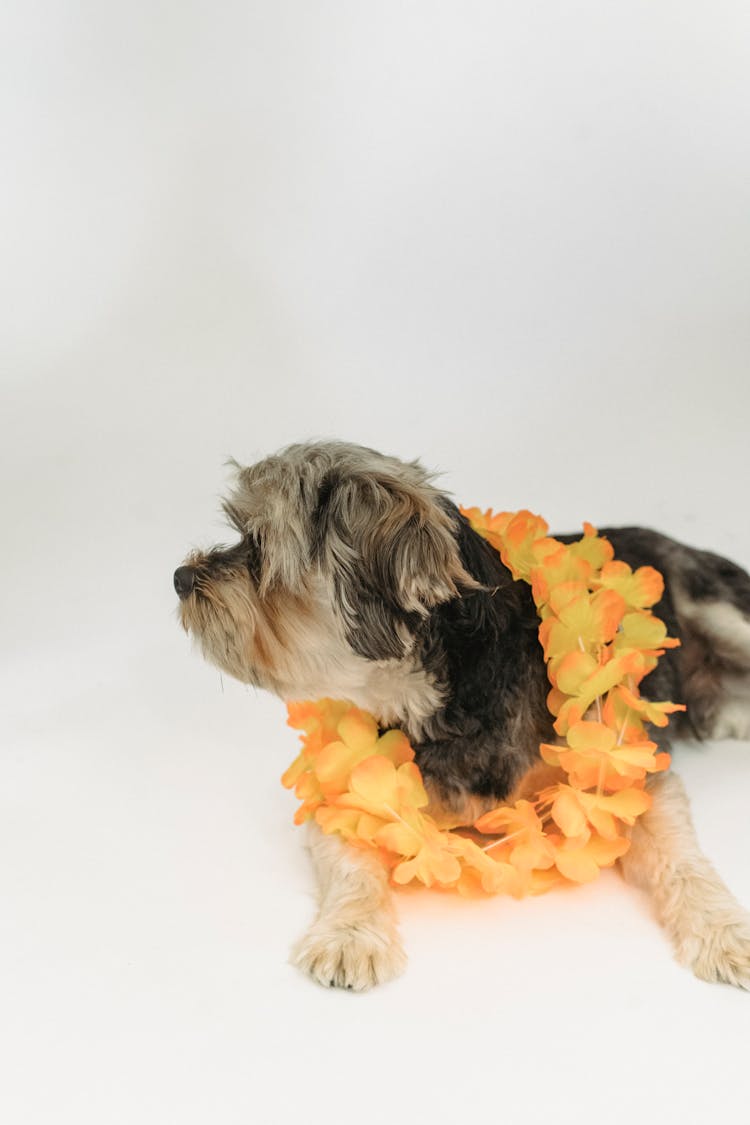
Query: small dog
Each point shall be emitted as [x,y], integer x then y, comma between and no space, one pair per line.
[355,578]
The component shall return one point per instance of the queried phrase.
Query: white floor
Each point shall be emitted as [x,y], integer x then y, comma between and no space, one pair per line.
[515,245]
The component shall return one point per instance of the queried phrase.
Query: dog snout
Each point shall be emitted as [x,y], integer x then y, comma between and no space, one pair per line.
[184,580]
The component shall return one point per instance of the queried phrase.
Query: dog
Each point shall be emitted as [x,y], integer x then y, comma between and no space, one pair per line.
[355,577]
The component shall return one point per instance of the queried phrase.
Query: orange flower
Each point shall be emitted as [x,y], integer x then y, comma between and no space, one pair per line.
[638,589]
[522,825]
[337,736]
[600,639]
[358,741]
[593,759]
[652,712]
[492,527]
[581,678]
[520,537]
[318,720]
[560,567]
[574,810]
[353,824]
[595,550]
[491,872]
[583,623]
[580,862]
[377,786]
[309,792]
[622,719]
[433,862]
[645,632]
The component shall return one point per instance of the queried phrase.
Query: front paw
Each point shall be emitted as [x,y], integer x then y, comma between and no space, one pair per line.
[354,955]
[720,951]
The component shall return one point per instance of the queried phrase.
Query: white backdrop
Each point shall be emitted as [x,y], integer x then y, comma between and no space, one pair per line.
[511,239]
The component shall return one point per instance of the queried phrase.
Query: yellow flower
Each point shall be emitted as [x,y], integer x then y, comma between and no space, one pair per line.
[377,786]
[645,632]
[560,568]
[573,810]
[595,550]
[581,678]
[489,871]
[581,862]
[518,537]
[434,862]
[583,623]
[599,639]
[638,589]
[593,759]
[520,824]
[652,712]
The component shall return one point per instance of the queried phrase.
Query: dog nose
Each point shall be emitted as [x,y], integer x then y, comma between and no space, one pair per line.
[184,577]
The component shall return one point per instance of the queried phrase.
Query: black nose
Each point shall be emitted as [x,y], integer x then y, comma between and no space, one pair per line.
[184,577]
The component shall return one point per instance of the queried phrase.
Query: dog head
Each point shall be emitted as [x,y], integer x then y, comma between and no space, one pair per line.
[342,555]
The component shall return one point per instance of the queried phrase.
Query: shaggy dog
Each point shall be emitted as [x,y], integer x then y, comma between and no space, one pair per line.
[355,578]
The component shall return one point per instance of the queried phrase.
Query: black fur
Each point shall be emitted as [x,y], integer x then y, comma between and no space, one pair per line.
[483,647]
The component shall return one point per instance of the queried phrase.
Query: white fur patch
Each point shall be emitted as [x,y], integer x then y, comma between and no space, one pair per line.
[728,631]
[733,716]
[321,663]
[720,621]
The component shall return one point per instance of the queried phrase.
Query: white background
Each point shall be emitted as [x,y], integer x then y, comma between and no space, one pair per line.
[509,238]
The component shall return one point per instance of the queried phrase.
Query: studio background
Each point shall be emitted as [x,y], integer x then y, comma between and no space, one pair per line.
[509,239]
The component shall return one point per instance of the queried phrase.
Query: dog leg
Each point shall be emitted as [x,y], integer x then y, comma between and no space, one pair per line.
[354,942]
[708,928]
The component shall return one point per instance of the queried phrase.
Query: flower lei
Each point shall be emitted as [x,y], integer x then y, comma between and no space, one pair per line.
[599,639]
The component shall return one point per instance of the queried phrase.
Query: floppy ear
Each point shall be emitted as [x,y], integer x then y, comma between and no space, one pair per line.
[393,554]
[267,502]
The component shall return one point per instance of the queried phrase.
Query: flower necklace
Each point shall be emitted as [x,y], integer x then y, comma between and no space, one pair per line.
[600,639]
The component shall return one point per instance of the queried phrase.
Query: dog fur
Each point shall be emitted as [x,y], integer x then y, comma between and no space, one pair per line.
[354,577]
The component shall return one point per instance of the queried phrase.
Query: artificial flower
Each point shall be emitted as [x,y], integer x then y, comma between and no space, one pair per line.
[599,640]
[639,589]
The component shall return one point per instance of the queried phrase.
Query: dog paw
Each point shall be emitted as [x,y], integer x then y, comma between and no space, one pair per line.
[721,952]
[355,955]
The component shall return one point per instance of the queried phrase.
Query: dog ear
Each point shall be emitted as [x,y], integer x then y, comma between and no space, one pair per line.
[267,503]
[391,547]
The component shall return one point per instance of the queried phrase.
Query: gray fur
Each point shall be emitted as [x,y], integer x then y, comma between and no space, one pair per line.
[354,577]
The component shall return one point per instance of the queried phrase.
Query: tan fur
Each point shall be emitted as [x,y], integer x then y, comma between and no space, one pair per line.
[708,928]
[354,942]
[294,646]
[282,632]
[299,628]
